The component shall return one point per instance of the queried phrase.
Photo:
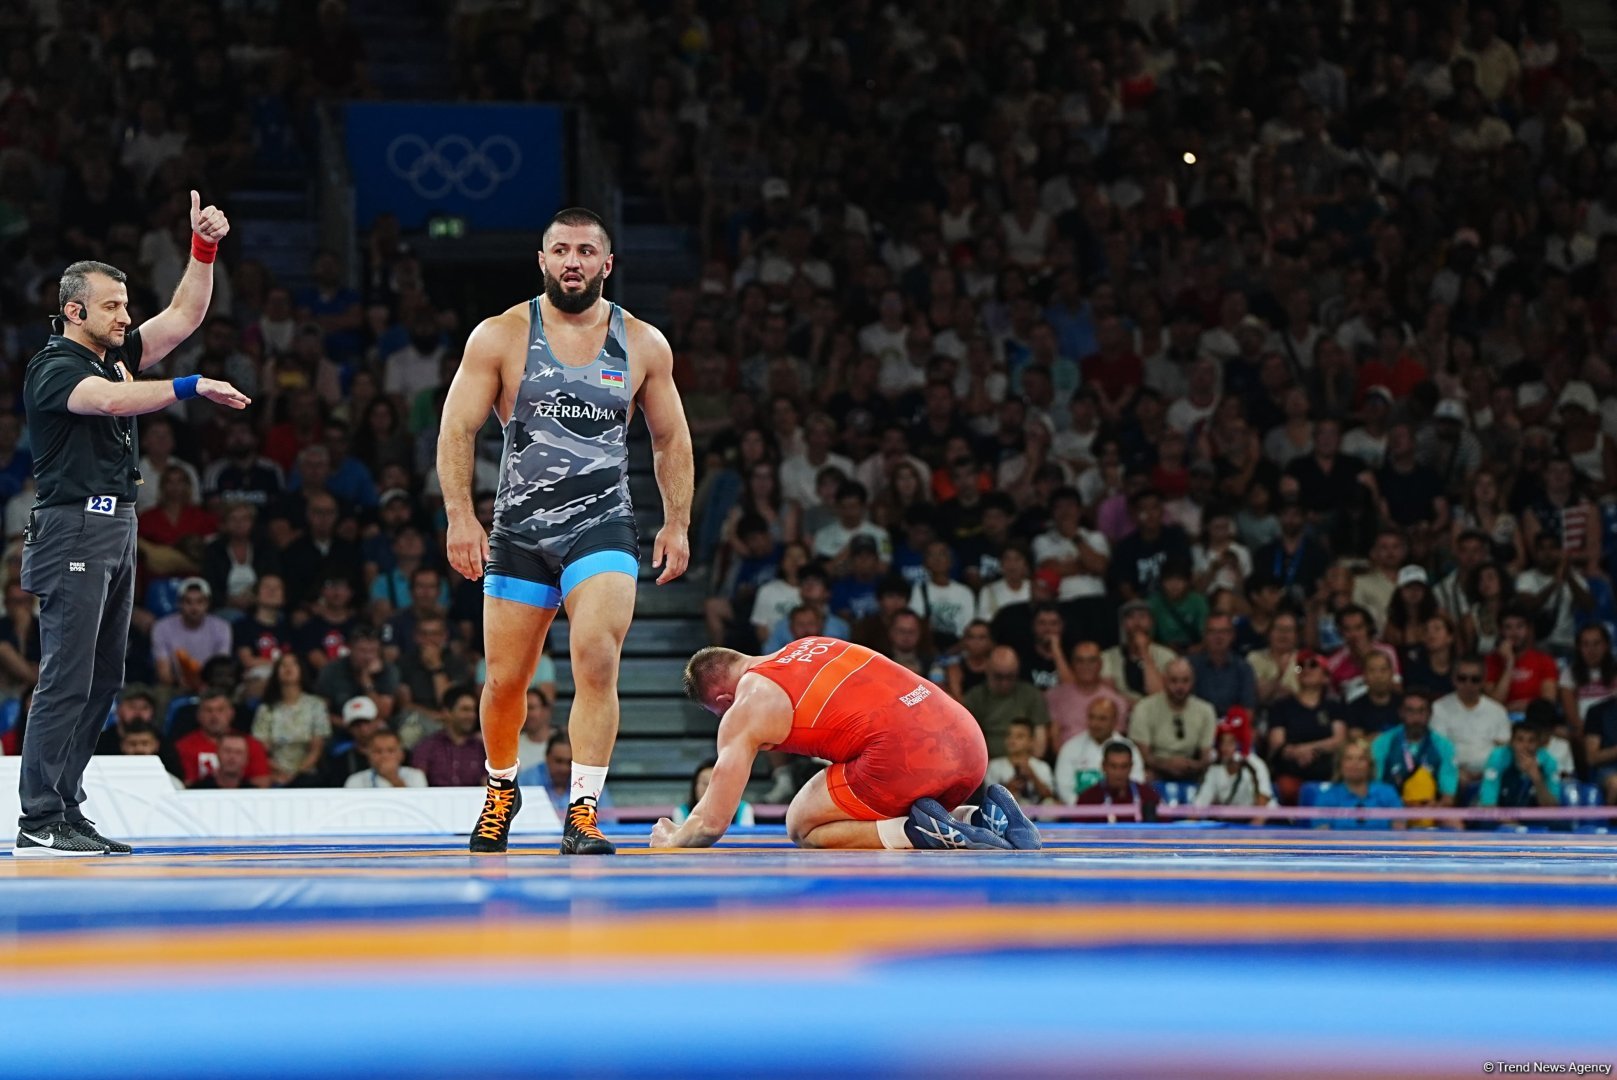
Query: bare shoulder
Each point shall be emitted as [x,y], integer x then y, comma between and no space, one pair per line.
[759,693]
[494,338]
[761,713]
[646,343]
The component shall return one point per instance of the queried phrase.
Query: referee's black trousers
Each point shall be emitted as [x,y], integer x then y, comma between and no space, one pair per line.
[81,565]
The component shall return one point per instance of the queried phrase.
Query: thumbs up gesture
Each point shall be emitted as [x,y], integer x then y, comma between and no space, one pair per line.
[208,223]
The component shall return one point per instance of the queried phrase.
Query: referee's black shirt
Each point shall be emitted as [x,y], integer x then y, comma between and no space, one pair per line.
[78,456]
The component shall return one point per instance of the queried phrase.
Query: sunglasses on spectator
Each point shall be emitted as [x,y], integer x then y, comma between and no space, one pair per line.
[1309,664]
[1179,727]
[1467,678]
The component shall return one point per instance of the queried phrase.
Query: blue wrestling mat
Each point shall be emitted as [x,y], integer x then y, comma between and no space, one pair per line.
[1116,952]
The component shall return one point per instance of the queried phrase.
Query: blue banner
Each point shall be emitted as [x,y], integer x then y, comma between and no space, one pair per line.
[497,166]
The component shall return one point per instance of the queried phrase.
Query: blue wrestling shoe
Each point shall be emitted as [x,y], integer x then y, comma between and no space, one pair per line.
[1001,815]
[930,828]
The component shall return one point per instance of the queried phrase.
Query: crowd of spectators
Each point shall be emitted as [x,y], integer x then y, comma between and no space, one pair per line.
[1225,385]
[295,622]
[1212,394]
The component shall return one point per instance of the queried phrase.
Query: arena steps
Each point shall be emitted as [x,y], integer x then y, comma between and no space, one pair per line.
[658,718]
[638,676]
[663,637]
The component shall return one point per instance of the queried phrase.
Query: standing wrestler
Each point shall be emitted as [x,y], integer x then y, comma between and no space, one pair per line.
[563,372]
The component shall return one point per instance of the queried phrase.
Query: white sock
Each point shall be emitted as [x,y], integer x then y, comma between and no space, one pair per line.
[588,780]
[502,774]
[891,831]
[963,813]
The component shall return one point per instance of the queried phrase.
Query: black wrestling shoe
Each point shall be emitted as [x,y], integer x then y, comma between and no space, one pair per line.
[56,840]
[500,806]
[582,835]
[86,828]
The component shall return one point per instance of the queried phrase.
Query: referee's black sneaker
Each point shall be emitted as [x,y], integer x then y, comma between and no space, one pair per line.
[500,805]
[582,835]
[86,828]
[56,840]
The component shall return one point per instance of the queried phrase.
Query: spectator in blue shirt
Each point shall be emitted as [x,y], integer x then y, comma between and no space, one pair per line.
[350,480]
[1523,773]
[1354,787]
[553,775]
[1403,752]
[1223,679]
[333,306]
[853,595]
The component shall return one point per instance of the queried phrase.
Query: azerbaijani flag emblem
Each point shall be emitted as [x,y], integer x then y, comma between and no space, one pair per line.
[611,378]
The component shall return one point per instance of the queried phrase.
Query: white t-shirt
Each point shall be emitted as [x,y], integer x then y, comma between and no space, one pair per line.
[1052,545]
[408,371]
[773,602]
[998,594]
[1233,580]
[882,343]
[947,607]
[1533,581]
[1080,756]
[367,778]
[1591,694]
[1001,771]
[832,538]
[798,473]
[1474,732]
[1368,448]
[1219,788]
[1185,414]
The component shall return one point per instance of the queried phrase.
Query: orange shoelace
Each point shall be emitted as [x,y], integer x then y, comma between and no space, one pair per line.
[581,818]
[496,813]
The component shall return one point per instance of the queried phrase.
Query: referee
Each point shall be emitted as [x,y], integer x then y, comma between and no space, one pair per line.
[78,552]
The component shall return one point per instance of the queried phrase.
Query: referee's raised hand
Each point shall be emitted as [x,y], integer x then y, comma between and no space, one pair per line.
[208,222]
[222,393]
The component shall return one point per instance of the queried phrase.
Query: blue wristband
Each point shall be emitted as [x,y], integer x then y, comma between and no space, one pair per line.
[186,387]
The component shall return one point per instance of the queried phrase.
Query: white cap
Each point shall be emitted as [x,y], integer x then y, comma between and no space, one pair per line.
[1530,394]
[1450,409]
[195,583]
[1579,394]
[359,708]
[1412,575]
[776,188]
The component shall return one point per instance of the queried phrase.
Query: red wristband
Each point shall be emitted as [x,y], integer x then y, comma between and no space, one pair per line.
[203,251]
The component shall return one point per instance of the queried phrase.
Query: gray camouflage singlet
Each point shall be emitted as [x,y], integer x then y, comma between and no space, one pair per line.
[565,468]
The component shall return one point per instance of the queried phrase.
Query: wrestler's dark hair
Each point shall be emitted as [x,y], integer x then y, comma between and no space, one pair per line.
[578,216]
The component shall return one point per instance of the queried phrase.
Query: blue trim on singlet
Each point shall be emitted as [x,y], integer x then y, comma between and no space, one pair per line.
[598,562]
[522,591]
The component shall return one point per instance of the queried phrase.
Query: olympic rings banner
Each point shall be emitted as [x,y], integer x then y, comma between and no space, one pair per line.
[497,166]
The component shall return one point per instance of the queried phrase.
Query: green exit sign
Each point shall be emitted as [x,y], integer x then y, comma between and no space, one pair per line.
[446,227]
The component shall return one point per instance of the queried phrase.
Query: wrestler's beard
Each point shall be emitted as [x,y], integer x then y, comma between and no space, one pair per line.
[574,303]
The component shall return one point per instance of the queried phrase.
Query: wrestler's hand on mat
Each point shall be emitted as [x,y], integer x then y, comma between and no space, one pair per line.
[468,547]
[672,552]
[662,833]
[222,393]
